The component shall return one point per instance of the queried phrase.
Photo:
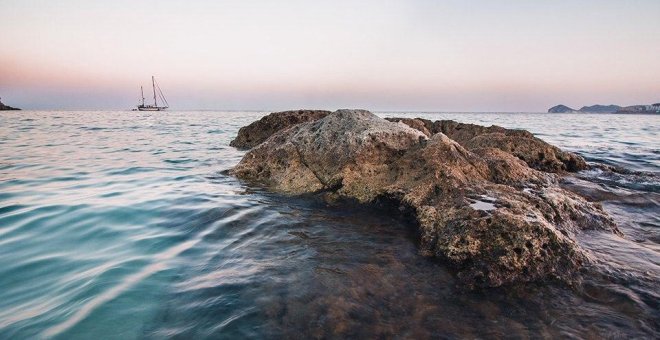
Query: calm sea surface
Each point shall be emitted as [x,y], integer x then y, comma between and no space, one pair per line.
[122,225]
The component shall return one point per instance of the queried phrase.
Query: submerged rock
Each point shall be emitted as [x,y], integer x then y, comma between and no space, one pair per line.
[481,208]
[257,132]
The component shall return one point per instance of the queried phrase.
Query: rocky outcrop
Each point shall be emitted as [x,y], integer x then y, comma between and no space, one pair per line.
[482,209]
[560,109]
[520,143]
[257,132]
[4,107]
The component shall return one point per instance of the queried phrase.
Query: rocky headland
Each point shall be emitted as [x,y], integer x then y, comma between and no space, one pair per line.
[4,107]
[486,200]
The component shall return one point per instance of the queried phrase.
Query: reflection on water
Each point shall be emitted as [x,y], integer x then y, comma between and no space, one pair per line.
[121,225]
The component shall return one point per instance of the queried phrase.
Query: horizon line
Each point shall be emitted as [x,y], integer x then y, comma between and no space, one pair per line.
[292,109]
[331,110]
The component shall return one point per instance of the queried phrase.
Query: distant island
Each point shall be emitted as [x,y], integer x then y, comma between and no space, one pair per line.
[654,108]
[4,107]
[561,109]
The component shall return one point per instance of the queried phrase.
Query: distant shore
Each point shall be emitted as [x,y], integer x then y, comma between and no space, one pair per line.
[4,107]
[571,111]
[644,109]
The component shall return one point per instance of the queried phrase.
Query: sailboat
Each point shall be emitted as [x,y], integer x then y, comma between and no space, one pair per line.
[158,94]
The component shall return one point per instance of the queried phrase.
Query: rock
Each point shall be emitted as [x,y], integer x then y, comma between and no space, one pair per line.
[257,132]
[560,109]
[423,125]
[483,210]
[4,107]
[343,137]
[520,143]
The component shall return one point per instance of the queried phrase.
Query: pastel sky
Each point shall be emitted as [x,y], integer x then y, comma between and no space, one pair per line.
[426,55]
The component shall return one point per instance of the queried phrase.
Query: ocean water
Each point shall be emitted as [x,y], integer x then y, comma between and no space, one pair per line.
[122,225]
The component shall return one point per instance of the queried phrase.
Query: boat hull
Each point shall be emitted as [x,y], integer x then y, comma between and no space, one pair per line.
[151,108]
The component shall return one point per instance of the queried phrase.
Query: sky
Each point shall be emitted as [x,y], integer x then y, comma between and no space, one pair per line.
[424,55]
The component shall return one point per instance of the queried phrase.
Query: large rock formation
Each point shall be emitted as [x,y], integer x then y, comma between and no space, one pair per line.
[482,209]
[4,107]
[257,132]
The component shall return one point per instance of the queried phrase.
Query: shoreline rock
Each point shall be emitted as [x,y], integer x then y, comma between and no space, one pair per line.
[480,207]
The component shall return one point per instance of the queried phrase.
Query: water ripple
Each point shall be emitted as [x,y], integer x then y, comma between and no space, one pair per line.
[123,225]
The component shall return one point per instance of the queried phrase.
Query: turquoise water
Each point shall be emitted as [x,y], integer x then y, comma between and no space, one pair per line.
[123,225]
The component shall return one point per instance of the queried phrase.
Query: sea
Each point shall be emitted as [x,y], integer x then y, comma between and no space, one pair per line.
[125,225]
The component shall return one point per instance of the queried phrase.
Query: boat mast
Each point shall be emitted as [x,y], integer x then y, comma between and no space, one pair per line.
[142,92]
[153,85]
